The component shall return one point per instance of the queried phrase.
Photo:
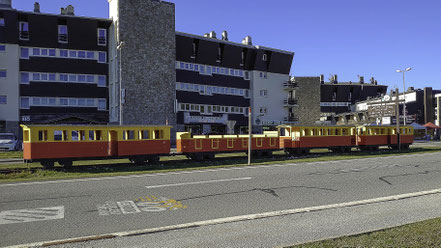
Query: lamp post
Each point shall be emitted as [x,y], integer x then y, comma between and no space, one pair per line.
[404,92]
[119,48]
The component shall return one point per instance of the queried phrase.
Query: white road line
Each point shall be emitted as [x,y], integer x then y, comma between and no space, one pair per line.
[200,171]
[200,182]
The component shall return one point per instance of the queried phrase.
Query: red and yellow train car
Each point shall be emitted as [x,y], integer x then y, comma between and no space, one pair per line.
[371,137]
[66,143]
[206,146]
[300,139]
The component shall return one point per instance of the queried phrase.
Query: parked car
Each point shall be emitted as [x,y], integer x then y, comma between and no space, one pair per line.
[8,141]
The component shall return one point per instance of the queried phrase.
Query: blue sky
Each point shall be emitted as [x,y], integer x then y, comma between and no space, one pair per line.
[344,37]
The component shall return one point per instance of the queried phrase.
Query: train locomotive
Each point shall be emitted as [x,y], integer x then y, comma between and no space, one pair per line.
[64,144]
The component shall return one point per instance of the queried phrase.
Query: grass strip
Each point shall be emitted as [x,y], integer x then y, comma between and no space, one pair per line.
[420,234]
[118,167]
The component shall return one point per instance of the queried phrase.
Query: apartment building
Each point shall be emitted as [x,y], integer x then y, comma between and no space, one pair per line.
[53,68]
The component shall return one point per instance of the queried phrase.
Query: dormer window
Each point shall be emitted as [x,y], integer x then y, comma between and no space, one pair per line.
[265,57]
[62,34]
[102,37]
[24,30]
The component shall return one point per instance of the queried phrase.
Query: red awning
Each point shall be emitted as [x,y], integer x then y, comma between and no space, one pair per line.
[431,125]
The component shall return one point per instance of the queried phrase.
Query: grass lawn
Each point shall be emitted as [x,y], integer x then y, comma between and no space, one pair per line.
[11,154]
[116,167]
[421,234]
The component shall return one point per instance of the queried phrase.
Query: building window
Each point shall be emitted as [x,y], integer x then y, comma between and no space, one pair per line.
[24,78]
[102,81]
[63,53]
[264,57]
[24,53]
[43,52]
[72,54]
[72,78]
[63,101]
[101,104]
[102,37]
[2,21]
[247,75]
[24,103]
[36,51]
[52,77]
[64,77]
[264,93]
[2,73]
[24,31]
[102,57]
[2,48]
[3,100]
[62,33]
[35,76]
[262,110]
[90,55]
[82,54]
[52,52]
[90,78]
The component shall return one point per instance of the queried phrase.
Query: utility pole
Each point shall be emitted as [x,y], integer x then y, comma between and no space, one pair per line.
[249,136]
[397,113]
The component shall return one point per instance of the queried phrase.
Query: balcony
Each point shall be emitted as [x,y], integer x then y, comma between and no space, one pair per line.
[291,119]
[24,35]
[288,85]
[288,102]
[62,38]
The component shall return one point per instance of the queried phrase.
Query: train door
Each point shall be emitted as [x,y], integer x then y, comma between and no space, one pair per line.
[113,143]
[353,135]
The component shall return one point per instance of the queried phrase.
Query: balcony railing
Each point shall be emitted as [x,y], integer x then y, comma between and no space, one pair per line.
[62,38]
[24,35]
[290,84]
[290,102]
[291,118]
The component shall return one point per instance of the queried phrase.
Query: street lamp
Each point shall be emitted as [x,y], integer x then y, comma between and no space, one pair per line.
[404,93]
[119,48]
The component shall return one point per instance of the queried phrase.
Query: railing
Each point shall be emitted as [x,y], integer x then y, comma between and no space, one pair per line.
[290,101]
[24,35]
[290,84]
[291,119]
[62,38]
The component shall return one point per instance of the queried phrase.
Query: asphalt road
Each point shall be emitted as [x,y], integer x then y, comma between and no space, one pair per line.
[44,211]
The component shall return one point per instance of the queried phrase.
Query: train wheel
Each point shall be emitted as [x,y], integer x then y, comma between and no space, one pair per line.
[138,160]
[153,160]
[66,163]
[405,147]
[48,164]
[209,156]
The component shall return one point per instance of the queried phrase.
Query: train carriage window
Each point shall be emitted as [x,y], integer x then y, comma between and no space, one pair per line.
[305,132]
[129,134]
[315,132]
[330,132]
[75,136]
[144,134]
[65,135]
[42,135]
[82,135]
[344,131]
[337,131]
[259,142]
[91,135]
[58,135]
[98,135]
[158,134]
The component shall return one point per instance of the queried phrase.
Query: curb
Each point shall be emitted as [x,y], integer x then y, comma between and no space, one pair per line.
[232,219]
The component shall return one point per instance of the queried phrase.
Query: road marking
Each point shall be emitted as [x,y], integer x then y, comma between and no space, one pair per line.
[203,171]
[233,219]
[200,182]
[144,204]
[31,215]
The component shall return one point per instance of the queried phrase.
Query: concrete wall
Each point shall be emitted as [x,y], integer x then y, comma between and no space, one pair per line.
[308,94]
[9,87]
[147,29]
[273,101]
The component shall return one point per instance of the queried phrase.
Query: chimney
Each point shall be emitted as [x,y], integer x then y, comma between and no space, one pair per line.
[361,79]
[62,11]
[247,41]
[36,7]
[376,82]
[411,89]
[6,4]
[372,80]
[322,78]
[335,79]
[212,35]
[206,35]
[225,35]
[70,10]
